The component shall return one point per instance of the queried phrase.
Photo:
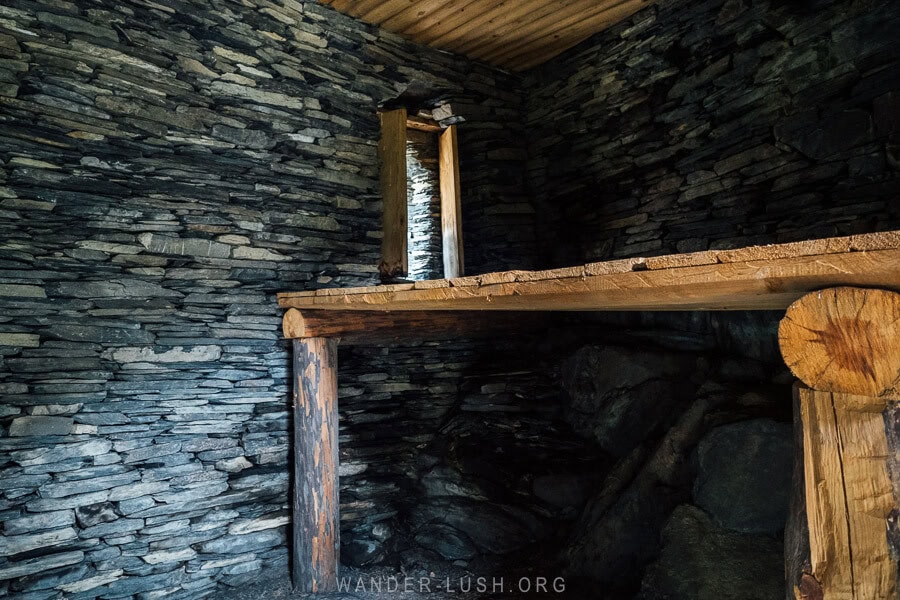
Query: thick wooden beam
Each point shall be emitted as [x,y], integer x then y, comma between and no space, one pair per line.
[368,327]
[848,496]
[451,204]
[757,278]
[316,522]
[392,153]
[845,340]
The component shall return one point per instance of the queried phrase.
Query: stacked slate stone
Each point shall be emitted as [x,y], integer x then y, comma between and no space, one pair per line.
[165,167]
[718,124]
[423,195]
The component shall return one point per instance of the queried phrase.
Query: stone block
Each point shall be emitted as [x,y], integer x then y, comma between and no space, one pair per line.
[95,514]
[31,523]
[15,570]
[33,426]
[16,544]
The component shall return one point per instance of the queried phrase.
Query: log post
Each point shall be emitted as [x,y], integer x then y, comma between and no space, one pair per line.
[843,344]
[316,522]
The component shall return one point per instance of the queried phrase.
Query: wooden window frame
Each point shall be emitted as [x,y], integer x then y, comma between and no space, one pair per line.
[392,153]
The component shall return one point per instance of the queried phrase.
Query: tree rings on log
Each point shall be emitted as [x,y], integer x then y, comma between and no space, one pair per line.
[845,339]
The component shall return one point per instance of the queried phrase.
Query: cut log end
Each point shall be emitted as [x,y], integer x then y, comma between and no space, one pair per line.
[845,340]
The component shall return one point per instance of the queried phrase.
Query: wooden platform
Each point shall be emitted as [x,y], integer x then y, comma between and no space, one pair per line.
[753,278]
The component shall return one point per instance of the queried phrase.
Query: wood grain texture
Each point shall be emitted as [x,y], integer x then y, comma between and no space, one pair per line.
[451,204]
[845,340]
[513,35]
[316,520]
[848,494]
[368,327]
[392,154]
[801,585]
[763,277]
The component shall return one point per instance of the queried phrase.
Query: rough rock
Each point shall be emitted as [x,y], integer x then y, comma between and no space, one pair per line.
[744,475]
[700,561]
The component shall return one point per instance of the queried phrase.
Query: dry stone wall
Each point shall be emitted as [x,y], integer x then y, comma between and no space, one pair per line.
[718,124]
[165,167]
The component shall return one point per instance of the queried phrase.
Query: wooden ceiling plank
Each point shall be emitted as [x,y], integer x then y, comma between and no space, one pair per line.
[356,8]
[524,21]
[562,31]
[477,26]
[385,10]
[538,57]
[512,34]
[448,11]
[468,24]
[420,11]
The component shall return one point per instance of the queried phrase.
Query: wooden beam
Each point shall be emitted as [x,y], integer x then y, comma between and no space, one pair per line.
[848,495]
[757,278]
[392,153]
[316,521]
[423,124]
[845,340]
[451,204]
[368,327]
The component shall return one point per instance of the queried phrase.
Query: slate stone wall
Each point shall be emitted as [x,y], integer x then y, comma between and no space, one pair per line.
[165,167]
[716,124]
[423,194]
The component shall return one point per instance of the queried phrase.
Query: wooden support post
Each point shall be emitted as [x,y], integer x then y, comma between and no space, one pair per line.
[844,342]
[316,526]
[451,204]
[392,153]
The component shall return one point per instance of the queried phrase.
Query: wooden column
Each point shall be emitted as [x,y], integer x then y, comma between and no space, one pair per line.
[392,154]
[316,524]
[844,345]
[451,204]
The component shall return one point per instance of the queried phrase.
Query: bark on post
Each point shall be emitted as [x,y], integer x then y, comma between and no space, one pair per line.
[844,343]
[316,522]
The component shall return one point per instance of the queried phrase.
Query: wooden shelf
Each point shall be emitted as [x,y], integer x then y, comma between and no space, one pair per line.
[753,278]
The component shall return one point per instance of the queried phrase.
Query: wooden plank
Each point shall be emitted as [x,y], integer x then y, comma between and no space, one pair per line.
[848,494]
[451,204]
[845,340]
[384,10]
[487,22]
[749,285]
[316,519]
[457,21]
[424,10]
[392,153]
[522,25]
[533,30]
[826,501]
[423,124]
[438,19]
[564,34]
[869,493]
[368,327]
